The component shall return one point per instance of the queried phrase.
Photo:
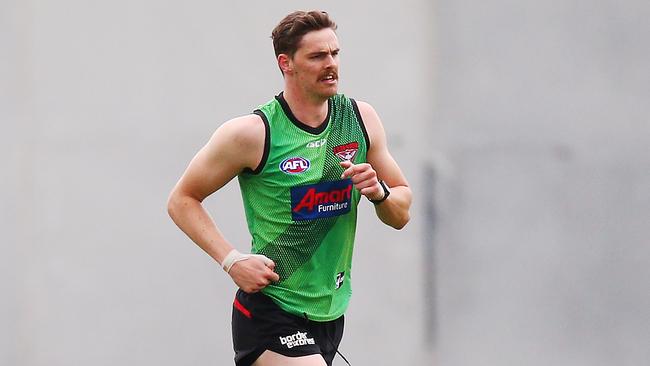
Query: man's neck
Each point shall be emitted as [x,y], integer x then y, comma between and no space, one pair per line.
[307,110]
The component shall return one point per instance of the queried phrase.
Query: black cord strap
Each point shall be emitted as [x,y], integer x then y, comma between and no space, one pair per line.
[331,343]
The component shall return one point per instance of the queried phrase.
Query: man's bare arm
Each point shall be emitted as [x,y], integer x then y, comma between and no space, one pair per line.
[236,145]
[394,211]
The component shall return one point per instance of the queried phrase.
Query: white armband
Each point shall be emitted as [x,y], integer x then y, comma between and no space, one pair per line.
[235,256]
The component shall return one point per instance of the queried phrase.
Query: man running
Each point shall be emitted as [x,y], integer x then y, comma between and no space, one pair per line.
[303,161]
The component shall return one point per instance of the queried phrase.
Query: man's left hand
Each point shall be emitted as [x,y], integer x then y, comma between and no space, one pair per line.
[364,178]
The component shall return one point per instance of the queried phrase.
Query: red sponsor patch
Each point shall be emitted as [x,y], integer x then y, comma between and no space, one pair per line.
[346,151]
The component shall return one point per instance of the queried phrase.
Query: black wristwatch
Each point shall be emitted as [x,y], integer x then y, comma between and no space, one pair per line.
[386,193]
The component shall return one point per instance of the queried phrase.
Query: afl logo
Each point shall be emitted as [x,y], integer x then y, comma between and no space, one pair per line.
[295,165]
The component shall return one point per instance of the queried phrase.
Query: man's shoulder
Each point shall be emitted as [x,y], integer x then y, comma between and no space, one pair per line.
[367,112]
[371,122]
[244,130]
[246,121]
[364,107]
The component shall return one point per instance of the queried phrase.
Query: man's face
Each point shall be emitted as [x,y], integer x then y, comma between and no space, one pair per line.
[315,65]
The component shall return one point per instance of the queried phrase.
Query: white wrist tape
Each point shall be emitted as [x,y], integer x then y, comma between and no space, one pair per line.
[235,256]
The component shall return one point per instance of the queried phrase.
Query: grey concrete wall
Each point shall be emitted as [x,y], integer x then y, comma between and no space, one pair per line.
[523,128]
[104,104]
[542,169]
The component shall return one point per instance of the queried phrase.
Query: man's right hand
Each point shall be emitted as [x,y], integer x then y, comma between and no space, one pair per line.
[253,274]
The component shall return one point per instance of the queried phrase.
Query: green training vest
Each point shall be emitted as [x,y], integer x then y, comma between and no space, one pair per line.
[299,211]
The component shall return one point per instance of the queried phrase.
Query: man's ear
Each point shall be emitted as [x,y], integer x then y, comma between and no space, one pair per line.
[284,62]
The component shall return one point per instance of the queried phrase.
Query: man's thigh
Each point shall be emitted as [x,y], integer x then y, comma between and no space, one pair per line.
[270,358]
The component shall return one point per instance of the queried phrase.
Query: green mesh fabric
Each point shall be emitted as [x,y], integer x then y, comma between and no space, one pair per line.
[311,254]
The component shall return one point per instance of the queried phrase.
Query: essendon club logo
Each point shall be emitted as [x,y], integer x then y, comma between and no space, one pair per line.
[325,199]
[294,165]
[346,151]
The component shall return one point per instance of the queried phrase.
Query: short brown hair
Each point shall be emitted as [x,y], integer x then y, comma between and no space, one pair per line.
[288,33]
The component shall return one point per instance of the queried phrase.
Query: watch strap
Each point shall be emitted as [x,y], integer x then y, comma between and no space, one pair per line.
[386,193]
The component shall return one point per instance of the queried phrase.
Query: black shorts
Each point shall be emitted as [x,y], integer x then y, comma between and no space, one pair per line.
[258,324]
